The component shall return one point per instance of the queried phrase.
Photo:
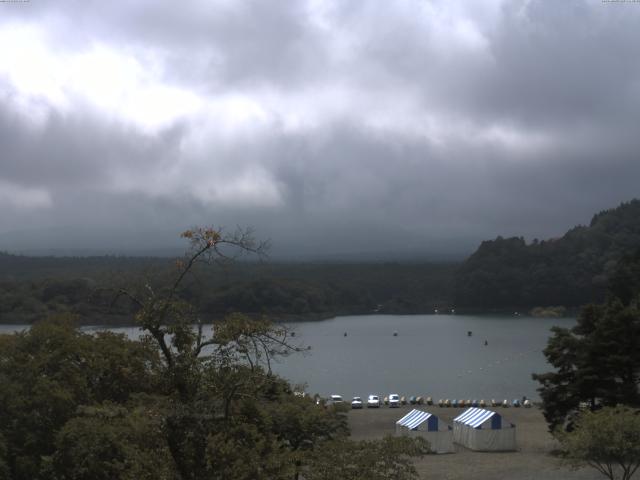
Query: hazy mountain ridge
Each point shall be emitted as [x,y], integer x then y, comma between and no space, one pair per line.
[503,273]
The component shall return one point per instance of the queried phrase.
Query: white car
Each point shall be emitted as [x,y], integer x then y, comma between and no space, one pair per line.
[373,401]
[334,399]
[394,400]
[356,402]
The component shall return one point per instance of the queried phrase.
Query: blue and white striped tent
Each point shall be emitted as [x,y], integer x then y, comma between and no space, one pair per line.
[475,417]
[428,426]
[415,418]
[484,430]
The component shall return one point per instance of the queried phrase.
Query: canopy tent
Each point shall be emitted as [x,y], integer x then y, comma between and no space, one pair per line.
[417,423]
[484,430]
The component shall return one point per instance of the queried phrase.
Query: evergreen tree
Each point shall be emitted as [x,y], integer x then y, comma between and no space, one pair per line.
[596,362]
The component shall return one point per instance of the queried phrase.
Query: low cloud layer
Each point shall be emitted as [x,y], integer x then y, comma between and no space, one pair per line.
[331,127]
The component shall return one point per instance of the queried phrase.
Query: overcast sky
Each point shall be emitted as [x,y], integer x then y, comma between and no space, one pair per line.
[331,127]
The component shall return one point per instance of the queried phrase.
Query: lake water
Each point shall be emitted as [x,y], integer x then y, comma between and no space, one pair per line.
[431,355]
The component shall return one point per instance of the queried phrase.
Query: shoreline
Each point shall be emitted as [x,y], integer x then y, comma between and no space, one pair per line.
[125,320]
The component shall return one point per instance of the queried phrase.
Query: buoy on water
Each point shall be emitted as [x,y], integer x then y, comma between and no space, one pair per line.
[345,334]
[395,334]
[469,333]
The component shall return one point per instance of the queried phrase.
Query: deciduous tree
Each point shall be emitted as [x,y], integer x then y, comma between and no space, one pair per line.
[607,440]
[386,459]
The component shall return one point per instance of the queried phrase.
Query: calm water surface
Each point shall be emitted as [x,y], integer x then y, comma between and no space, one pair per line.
[431,355]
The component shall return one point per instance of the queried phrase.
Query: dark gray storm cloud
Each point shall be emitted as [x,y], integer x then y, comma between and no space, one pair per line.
[331,127]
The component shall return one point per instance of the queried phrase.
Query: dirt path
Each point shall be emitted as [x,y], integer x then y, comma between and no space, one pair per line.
[532,461]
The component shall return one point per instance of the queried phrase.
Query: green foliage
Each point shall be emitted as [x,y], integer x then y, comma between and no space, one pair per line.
[607,440]
[571,271]
[113,443]
[598,360]
[78,406]
[220,384]
[182,403]
[301,424]
[50,370]
[625,281]
[389,458]
[284,290]
[4,467]
[242,451]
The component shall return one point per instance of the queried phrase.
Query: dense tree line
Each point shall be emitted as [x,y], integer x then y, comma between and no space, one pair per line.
[282,290]
[22,267]
[572,271]
[503,273]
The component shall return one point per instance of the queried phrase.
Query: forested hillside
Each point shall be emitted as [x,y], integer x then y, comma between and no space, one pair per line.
[503,273]
[571,271]
[31,287]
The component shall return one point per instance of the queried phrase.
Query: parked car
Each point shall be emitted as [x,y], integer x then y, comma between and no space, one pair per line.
[394,400]
[356,402]
[335,399]
[373,401]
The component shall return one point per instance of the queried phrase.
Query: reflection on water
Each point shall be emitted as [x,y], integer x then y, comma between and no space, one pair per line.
[431,355]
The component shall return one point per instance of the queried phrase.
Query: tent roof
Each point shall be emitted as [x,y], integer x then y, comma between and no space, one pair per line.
[474,417]
[413,418]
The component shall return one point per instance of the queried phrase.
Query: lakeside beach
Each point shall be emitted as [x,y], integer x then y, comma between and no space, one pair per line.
[533,460]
